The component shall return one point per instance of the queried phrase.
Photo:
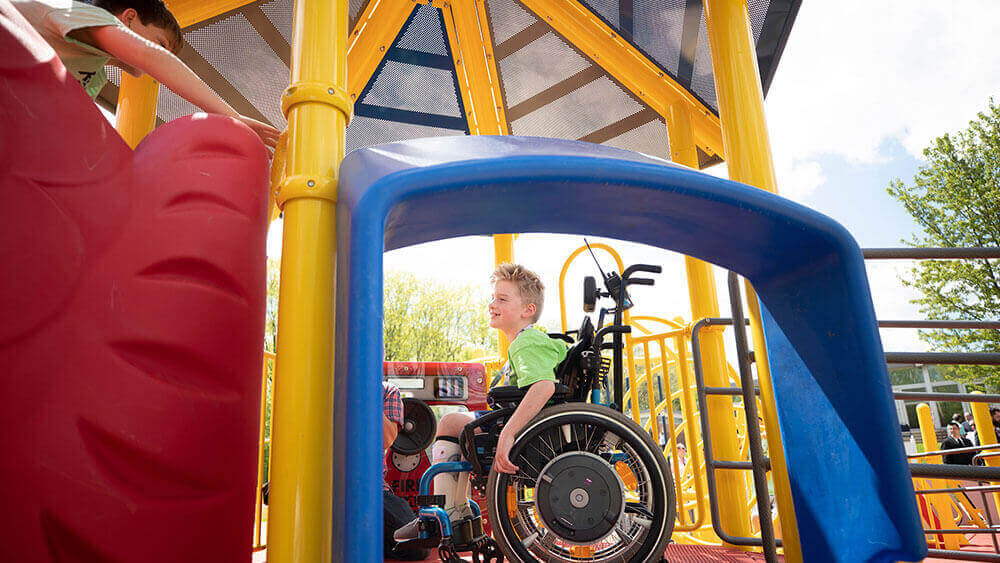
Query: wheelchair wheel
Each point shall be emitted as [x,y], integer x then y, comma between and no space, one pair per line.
[592,486]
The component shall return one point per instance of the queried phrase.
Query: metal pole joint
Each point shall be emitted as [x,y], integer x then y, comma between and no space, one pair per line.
[326,93]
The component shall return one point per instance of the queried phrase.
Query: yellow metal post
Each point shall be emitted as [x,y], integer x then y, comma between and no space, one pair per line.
[987,436]
[748,152]
[503,253]
[940,502]
[704,303]
[135,116]
[318,108]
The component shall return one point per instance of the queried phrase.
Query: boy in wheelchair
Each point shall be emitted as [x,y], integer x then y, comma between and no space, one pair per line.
[516,304]
[566,479]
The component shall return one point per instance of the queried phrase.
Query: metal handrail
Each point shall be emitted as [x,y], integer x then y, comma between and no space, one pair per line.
[962,555]
[933,323]
[969,449]
[945,471]
[936,253]
[760,463]
[944,358]
[953,397]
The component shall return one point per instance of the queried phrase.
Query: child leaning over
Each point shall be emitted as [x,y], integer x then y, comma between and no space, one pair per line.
[518,296]
[138,36]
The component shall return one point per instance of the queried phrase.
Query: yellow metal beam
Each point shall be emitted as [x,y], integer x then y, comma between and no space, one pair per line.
[469,35]
[318,109]
[628,66]
[135,116]
[372,36]
[190,12]
[748,148]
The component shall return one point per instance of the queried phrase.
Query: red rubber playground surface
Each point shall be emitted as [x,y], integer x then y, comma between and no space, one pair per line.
[677,553]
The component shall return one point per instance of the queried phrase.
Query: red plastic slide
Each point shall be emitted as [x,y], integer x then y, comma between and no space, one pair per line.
[131,325]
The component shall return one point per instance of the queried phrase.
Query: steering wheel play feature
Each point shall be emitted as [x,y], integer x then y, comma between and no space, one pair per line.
[418,429]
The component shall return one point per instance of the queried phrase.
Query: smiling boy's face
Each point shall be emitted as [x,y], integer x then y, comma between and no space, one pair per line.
[507,309]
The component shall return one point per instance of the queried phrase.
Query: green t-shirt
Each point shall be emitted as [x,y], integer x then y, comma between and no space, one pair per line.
[54,19]
[533,357]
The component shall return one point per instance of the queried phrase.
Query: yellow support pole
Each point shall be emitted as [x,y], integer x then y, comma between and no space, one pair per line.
[318,109]
[135,116]
[987,436]
[503,253]
[940,502]
[704,303]
[748,152]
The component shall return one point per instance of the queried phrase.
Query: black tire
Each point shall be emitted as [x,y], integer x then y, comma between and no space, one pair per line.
[656,493]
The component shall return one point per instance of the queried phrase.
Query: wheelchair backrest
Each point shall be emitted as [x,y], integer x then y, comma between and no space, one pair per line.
[570,371]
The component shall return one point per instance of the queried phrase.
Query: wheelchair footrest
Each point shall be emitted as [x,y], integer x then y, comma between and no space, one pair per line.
[467,532]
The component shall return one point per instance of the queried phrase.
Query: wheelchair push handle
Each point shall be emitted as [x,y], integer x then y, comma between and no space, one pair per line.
[648,268]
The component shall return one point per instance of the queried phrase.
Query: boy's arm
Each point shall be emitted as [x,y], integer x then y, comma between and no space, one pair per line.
[538,394]
[139,53]
[389,432]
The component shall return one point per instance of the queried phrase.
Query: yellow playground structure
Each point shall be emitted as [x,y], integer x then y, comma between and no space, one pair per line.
[473,117]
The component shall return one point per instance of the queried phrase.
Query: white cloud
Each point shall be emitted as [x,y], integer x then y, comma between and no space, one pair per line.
[892,302]
[800,179]
[856,73]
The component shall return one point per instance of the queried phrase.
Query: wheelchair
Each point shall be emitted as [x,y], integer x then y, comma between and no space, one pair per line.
[592,484]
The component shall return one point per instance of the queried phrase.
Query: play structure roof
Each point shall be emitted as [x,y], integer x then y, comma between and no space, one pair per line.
[549,86]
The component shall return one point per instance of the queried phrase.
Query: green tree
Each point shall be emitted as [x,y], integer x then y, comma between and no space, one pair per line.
[426,320]
[955,198]
[270,343]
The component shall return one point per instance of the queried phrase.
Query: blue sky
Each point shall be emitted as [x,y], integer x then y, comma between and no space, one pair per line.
[855,195]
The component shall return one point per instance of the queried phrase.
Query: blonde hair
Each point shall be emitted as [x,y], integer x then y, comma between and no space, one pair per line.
[529,286]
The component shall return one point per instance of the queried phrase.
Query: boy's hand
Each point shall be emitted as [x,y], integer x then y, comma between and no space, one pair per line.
[266,133]
[501,461]
[536,397]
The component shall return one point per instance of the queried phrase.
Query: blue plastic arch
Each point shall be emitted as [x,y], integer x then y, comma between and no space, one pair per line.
[850,483]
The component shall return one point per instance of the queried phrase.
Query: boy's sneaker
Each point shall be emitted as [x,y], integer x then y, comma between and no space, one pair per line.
[411,530]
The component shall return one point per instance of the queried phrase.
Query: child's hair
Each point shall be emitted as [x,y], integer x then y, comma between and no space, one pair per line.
[528,285]
[150,12]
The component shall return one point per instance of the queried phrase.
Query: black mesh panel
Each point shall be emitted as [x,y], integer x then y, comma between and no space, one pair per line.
[607,9]
[414,91]
[539,65]
[650,139]
[280,14]
[657,29]
[703,79]
[507,18]
[248,63]
[587,109]
[406,86]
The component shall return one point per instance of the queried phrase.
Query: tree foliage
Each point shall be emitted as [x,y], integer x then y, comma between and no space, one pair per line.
[426,320]
[955,198]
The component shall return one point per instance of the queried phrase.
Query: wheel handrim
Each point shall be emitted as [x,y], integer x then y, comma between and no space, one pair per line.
[527,531]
